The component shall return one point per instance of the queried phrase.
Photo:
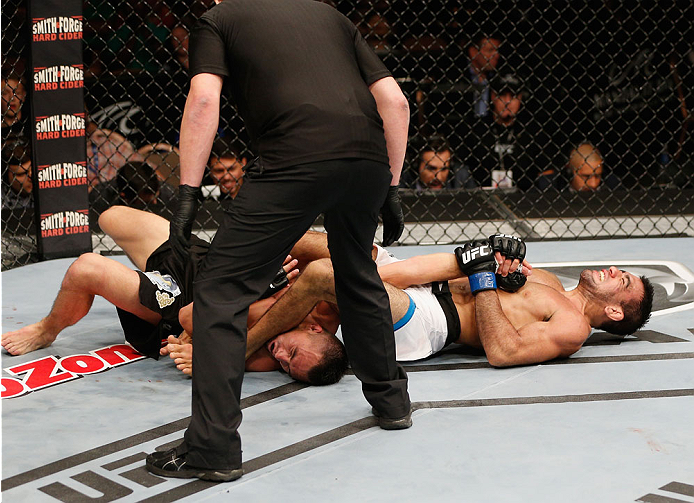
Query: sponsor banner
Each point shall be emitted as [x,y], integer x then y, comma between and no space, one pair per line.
[58,77]
[59,128]
[52,370]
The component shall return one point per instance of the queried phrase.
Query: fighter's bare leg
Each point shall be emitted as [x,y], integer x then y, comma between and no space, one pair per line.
[89,275]
[399,301]
[137,232]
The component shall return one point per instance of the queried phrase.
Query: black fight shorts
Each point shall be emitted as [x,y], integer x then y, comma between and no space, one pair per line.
[165,288]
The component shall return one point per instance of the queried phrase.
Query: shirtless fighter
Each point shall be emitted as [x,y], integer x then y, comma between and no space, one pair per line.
[539,322]
[149,302]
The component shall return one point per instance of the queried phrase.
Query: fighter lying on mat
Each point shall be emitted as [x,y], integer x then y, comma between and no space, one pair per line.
[148,303]
[539,322]
[552,322]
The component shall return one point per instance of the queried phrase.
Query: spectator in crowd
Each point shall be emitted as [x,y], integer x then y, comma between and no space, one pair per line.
[376,30]
[16,184]
[107,152]
[136,185]
[179,42]
[139,186]
[484,57]
[164,159]
[434,169]
[583,173]
[140,42]
[502,148]
[226,166]
[13,97]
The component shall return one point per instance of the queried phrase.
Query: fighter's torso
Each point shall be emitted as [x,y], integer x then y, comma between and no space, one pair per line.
[533,302]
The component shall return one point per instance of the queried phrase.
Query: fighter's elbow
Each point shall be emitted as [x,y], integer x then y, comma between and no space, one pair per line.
[499,360]
[506,356]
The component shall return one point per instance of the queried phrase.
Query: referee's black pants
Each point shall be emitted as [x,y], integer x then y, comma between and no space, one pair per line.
[273,209]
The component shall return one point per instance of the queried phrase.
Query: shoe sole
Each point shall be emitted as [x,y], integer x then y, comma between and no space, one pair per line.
[213,476]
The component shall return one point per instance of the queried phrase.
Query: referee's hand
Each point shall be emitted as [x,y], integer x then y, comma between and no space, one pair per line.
[181,224]
[392,216]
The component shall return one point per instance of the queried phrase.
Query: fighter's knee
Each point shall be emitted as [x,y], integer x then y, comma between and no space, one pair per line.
[109,218]
[87,267]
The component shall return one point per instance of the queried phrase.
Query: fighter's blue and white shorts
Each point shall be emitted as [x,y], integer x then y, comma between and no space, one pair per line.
[423,330]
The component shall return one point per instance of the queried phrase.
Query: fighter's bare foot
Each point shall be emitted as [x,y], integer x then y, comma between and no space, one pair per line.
[181,353]
[27,339]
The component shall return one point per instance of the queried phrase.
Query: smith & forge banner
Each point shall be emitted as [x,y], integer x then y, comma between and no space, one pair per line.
[58,128]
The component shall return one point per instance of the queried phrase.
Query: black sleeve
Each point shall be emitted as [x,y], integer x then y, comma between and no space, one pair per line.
[207,50]
[370,65]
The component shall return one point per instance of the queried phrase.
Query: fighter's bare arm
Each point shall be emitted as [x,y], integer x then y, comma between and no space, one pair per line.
[561,334]
[423,269]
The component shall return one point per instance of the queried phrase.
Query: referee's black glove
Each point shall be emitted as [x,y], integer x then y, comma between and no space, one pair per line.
[392,216]
[182,222]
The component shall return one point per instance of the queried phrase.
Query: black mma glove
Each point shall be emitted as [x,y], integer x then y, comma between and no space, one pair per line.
[392,216]
[512,281]
[476,260]
[182,222]
[277,284]
[510,247]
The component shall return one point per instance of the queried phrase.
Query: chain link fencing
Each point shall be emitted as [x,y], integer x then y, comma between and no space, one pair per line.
[549,120]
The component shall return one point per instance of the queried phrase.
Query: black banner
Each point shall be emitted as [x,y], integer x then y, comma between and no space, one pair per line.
[58,122]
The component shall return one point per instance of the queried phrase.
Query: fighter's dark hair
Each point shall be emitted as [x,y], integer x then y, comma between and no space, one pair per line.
[333,365]
[636,313]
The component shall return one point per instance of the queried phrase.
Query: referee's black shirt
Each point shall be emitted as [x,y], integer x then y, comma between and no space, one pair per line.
[299,72]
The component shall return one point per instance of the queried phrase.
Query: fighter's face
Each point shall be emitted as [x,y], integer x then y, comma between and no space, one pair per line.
[611,284]
[298,351]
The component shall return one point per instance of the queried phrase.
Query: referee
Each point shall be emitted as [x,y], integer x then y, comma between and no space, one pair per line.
[329,126]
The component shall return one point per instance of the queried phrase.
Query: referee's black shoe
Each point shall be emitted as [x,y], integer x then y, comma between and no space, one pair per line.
[399,423]
[170,464]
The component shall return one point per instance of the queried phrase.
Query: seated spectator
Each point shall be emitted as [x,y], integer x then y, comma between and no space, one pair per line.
[107,152]
[179,43]
[139,186]
[377,32]
[483,54]
[17,184]
[583,172]
[164,160]
[434,170]
[502,148]
[13,97]
[136,185]
[226,167]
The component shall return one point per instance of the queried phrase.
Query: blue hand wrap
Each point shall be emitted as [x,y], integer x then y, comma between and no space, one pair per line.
[482,281]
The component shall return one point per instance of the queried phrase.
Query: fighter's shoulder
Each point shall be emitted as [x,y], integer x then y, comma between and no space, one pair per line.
[543,277]
[569,324]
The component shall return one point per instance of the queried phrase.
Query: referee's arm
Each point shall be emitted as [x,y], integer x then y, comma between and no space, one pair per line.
[199,126]
[395,113]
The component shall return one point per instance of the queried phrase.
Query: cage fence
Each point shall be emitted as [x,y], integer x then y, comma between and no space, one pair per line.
[549,120]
